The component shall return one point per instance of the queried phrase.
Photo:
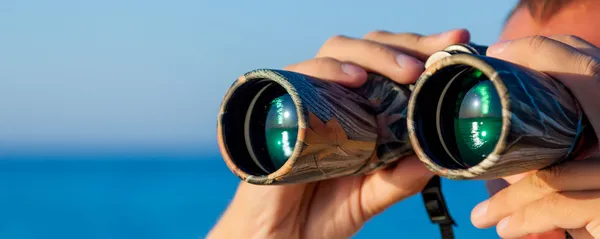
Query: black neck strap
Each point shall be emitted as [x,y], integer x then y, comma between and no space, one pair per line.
[568,236]
[438,211]
[436,207]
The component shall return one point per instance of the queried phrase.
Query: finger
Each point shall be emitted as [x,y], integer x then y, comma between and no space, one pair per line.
[326,68]
[373,57]
[571,176]
[515,178]
[417,45]
[388,186]
[579,43]
[578,71]
[581,233]
[545,54]
[568,210]
[587,48]
[555,234]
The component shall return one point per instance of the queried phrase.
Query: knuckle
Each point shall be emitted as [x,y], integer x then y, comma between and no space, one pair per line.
[379,48]
[590,65]
[551,202]
[323,62]
[544,178]
[537,41]
[335,40]
[374,47]
[374,35]
[332,43]
[415,38]
[539,181]
[572,38]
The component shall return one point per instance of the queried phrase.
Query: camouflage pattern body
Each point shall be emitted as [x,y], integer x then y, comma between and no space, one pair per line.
[389,101]
[542,120]
[338,127]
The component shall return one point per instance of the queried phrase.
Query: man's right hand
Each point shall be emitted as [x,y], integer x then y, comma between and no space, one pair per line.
[337,208]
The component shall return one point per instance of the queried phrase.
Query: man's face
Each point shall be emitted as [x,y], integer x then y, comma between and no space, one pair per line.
[580,19]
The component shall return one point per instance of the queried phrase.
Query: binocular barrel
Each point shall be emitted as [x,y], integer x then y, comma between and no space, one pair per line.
[280,127]
[476,117]
[468,117]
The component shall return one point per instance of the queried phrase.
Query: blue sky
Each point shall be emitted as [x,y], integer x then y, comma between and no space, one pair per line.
[141,75]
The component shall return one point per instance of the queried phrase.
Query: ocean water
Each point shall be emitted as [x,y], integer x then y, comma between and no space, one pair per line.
[175,198]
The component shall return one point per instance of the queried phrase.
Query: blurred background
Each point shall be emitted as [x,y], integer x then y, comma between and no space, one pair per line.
[108,108]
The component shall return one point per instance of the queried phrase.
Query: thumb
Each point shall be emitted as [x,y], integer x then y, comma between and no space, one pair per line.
[388,186]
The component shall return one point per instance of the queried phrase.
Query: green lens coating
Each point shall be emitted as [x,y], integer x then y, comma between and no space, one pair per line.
[478,124]
[281,129]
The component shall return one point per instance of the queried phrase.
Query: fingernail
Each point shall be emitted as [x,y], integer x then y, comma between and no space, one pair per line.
[498,47]
[503,224]
[351,70]
[480,210]
[405,61]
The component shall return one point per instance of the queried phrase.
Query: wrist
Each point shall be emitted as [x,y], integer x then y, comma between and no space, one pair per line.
[249,216]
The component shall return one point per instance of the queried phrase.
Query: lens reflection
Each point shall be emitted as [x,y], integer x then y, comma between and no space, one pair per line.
[479,122]
[281,129]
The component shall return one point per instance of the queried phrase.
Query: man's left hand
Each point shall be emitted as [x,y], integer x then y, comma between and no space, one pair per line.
[566,196]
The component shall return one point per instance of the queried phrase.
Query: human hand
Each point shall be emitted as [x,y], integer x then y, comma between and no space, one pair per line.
[566,196]
[337,208]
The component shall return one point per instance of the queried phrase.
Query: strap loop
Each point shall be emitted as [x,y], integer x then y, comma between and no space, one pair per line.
[438,211]
[436,207]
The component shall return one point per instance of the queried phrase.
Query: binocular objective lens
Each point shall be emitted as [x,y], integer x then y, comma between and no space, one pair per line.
[478,122]
[281,129]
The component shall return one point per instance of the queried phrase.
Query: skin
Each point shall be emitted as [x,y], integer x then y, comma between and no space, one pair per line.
[567,196]
[541,204]
[536,204]
[338,208]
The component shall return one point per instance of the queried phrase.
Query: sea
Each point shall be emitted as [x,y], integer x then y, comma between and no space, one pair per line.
[138,197]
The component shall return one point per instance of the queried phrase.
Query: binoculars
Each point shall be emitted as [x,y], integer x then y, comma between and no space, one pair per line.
[468,116]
